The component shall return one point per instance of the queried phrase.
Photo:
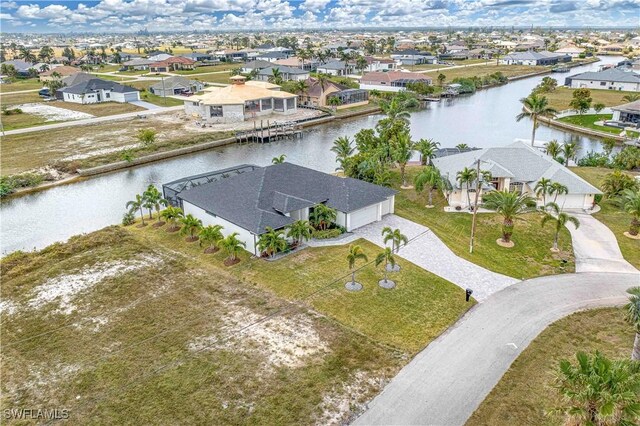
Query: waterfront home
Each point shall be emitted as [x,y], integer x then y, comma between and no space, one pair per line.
[318,96]
[286,73]
[173,63]
[413,57]
[242,100]
[392,81]
[379,64]
[534,58]
[254,198]
[96,90]
[629,113]
[609,79]
[176,85]
[572,51]
[515,167]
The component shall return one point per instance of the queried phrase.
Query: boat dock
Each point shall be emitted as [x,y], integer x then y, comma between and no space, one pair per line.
[269,131]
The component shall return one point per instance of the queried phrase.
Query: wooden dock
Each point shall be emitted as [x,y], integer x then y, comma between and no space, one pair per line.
[268,132]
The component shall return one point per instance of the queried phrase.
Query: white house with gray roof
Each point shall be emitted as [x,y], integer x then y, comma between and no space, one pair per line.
[610,79]
[277,195]
[516,167]
[96,90]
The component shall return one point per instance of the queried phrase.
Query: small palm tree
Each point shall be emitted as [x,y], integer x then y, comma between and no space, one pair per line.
[279,159]
[631,97]
[629,201]
[535,106]
[386,257]
[155,199]
[396,237]
[569,152]
[276,76]
[172,215]
[401,152]
[462,146]
[272,242]
[556,189]
[233,246]
[553,148]
[430,179]
[560,219]
[427,149]
[466,177]
[190,225]
[395,110]
[633,317]
[355,253]
[209,236]
[510,205]
[137,204]
[542,189]
[343,148]
[299,230]
[322,216]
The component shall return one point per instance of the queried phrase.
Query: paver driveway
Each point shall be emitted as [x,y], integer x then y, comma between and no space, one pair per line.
[426,250]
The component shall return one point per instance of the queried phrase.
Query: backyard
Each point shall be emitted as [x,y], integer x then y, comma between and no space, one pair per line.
[525,394]
[560,98]
[482,70]
[21,84]
[588,121]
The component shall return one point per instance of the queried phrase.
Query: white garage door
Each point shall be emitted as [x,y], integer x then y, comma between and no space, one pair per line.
[129,97]
[386,207]
[571,201]
[363,217]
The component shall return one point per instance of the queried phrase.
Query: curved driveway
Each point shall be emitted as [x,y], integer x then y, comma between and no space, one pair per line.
[448,380]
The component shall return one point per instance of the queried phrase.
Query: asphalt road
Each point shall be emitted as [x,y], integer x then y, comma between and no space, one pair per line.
[446,382]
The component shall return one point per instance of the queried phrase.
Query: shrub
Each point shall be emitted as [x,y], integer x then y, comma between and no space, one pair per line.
[6,186]
[628,158]
[595,159]
[13,111]
[327,233]
[597,198]
[128,218]
[617,181]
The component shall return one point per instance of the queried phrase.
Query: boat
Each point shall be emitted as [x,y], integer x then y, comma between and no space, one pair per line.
[560,69]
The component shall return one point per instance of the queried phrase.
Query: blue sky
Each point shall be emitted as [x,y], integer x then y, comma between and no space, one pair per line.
[170,15]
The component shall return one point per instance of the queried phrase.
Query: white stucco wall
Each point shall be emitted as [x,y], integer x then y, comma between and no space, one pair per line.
[381,87]
[609,85]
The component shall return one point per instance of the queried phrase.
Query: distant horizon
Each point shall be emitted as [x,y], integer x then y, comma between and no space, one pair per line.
[172,16]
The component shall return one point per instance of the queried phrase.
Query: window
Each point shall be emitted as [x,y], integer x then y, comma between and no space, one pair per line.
[215,111]
[278,104]
[515,186]
[603,83]
[266,104]
[107,95]
[252,106]
[291,103]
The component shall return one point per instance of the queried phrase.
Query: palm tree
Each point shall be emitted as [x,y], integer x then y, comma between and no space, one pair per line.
[395,236]
[190,225]
[137,204]
[510,205]
[334,102]
[462,146]
[556,189]
[598,391]
[272,242]
[322,215]
[276,76]
[466,176]
[300,87]
[401,152]
[172,215]
[560,219]
[569,151]
[279,159]
[535,106]
[155,199]
[395,110]
[427,149]
[343,148]
[631,97]
[553,148]
[629,200]
[386,257]
[633,316]
[209,236]
[355,253]
[233,246]
[428,178]
[299,230]
[542,189]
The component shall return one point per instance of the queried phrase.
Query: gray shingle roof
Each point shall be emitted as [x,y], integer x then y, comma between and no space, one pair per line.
[97,84]
[283,69]
[612,74]
[260,198]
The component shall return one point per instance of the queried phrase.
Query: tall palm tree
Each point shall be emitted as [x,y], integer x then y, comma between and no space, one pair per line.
[553,148]
[172,215]
[155,199]
[556,189]
[629,200]
[466,177]
[137,204]
[343,148]
[190,225]
[569,151]
[560,219]
[300,87]
[272,242]
[322,216]
[535,106]
[209,236]
[276,76]
[598,391]
[510,205]
[233,246]
[299,230]
[355,253]
[427,149]
[542,189]
[279,159]
[395,110]
[428,178]
[386,257]
[633,316]
[401,152]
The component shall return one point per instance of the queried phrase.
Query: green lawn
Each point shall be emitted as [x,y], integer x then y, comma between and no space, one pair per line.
[525,392]
[561,97]
[529,258]
[158,100]
[208,68]
[588,121]
[617,220]
[20,121]
[21,84]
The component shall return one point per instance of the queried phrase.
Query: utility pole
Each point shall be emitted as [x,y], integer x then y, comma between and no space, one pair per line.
[475,207]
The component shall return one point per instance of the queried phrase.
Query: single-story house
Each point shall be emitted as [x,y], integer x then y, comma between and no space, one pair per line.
[287,73]
[172,64]
[76,78]
[277,195]
[316,96]
[515,167]
[231,55]
[63,71]
[609,79]
[250,66]
[138,64]
[413,57]
[198,56]
[392,81]
[534,58]
[572,51]
[379,64]
[96,90]
[240,101]
[176,85]
[22,67]
[293,61]
[272,56]
[337,68]
[627,113]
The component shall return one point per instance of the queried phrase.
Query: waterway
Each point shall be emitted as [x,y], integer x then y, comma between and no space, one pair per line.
[485,119]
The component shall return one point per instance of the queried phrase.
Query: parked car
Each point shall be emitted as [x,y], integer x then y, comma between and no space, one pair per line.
[44,92]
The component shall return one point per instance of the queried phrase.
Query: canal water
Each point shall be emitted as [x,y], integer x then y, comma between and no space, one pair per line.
[485,119]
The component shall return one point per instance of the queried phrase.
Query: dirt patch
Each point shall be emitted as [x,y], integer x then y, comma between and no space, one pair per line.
[51,113]
[231,262]
[211,249]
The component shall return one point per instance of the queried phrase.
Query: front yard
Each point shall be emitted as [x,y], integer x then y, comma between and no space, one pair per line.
[529,258]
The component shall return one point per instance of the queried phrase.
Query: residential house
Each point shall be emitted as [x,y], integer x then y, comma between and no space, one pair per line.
[317,96]
[231,55]
[286,73]
[173,63]
[515,167]
[250,66]
[628,113]
[138,64]
[379,64]
[76,78]
[337,68]
[413,57]
[96,90]
[308,64]
[275,196]
[198,56]
[534,58]
[272,56]
[240,101]
[609,79]
[22,67]
[63,71]
[570,50]
[392,81]
[176,85]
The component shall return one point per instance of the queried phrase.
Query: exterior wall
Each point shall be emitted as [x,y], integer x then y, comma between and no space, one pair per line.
[341,219]
[381,87]
[70,97]
[228,227]
[609,85]
[330,71]
[575,201]
[364,216]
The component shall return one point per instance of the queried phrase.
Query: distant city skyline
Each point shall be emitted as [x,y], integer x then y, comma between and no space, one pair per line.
[184,15]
